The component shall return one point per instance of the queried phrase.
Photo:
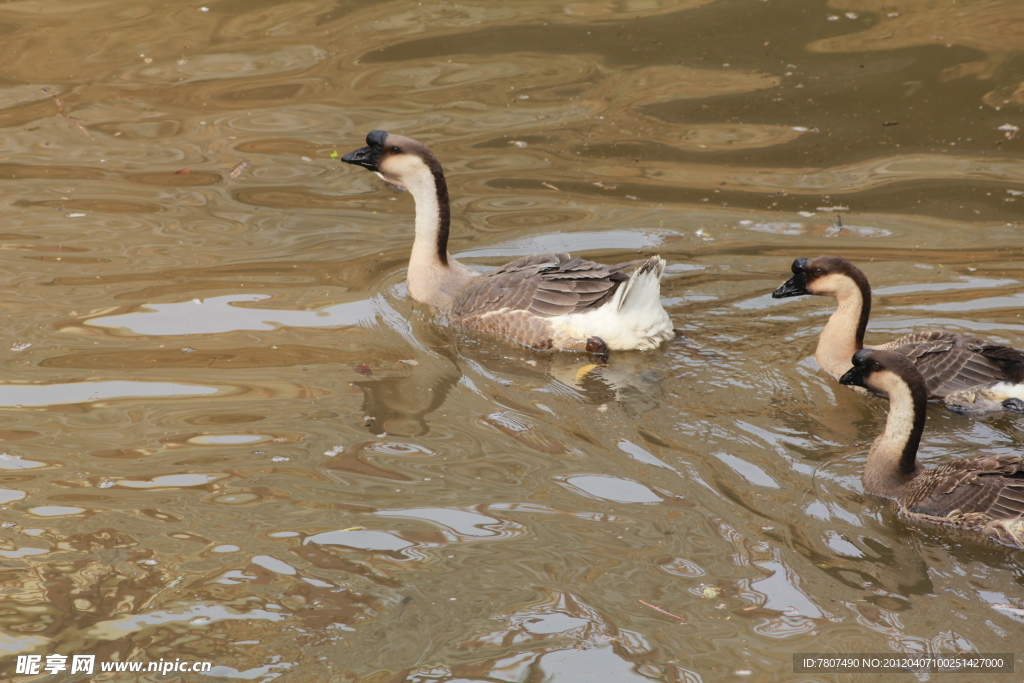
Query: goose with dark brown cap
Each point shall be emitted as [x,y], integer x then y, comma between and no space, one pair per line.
[544,301]
[968,373]
[983,494]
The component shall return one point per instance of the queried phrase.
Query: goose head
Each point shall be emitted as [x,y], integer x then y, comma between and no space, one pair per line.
[823,276]
[883,372]
[396,159]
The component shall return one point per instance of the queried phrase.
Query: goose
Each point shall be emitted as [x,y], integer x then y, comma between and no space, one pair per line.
[545,301]
[983,494]
[968,373]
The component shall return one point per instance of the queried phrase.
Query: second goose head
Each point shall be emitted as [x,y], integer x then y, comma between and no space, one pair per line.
[824,276]
[885,372]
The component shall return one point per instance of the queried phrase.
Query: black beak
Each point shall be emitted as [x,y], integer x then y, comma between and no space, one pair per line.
[854,377]
[796,285]
[364,156]
[368,156]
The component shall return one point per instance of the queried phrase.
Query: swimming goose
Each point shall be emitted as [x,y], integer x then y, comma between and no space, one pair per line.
[981,494]
[968,373]
[544,301]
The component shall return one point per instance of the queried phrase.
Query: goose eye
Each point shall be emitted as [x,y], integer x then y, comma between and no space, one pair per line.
[817,271]
[396,150]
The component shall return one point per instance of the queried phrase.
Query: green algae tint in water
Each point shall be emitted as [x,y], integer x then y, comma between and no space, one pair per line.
[229,435]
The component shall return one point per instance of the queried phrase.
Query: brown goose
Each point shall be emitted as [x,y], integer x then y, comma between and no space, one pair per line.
[544,301]
[981,494]
[968,373]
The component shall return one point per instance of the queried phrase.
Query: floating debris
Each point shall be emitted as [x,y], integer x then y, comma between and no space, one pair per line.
[1009,130]
[187,349]
[663,611]
[336,450]
[517,143]
[836,228]
[239,168]
[106,483]
[74,215]
[20,346]
[363,369]
[280,458]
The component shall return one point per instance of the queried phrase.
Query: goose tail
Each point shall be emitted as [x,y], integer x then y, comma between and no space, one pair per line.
[643,287]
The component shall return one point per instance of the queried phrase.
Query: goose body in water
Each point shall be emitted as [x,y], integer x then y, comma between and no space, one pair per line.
[983,494]
[968,373]
[546,301]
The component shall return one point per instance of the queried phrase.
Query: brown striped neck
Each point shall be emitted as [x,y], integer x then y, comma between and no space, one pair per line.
[444,213]
[892,462]
[864,287]
[843,334]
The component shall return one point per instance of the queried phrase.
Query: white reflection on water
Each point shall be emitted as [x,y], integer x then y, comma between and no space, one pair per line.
[461,524]
[9,495]
[962,283]
[1010,301]
[611,488]
[221,314]
[116,628]
[229,439]
[362,539]
[172,480]
[55,510]
[16,462]
[22,552]
[620,240]
[18,395]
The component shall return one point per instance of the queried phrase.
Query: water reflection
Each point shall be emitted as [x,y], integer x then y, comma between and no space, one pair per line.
[221,314]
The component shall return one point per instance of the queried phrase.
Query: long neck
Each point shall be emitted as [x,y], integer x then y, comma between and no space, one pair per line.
[434,278]
[433,217]
[892,461]
[843,335]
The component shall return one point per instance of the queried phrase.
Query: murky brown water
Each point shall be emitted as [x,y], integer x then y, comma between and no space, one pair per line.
[232,437]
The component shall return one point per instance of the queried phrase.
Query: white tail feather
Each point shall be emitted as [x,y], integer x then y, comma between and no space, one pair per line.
[651,271]
[633,319]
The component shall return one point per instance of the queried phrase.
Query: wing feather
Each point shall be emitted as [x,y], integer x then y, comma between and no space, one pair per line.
[952,362]
[546,285]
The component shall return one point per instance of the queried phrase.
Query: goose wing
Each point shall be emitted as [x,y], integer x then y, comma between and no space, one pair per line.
[546,285]
[988,485]
[951,362]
